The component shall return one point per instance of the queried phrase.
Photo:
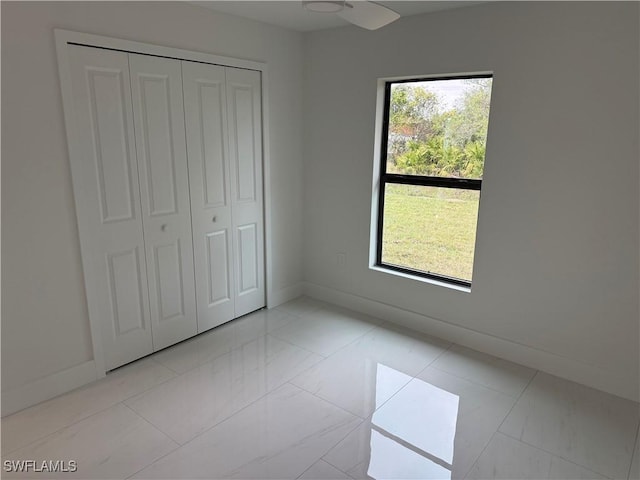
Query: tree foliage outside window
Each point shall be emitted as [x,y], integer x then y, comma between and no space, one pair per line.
[429,137]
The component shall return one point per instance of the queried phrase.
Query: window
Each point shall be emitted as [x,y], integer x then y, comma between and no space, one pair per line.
[431,167]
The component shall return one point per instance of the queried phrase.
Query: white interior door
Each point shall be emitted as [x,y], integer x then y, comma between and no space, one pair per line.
[105,177]
[156,86]
[245,160]
[207,150]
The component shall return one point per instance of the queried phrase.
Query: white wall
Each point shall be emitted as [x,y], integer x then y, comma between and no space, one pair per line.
[45,327]
[555,282]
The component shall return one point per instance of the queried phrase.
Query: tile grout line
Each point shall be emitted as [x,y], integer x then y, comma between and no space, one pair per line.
[310,467]
[297,346]
[555,455]
[168,368]
[338,443]
[362,419]
[69,425]
[178,446]
[159,458]
[444,351]
[321,459]
[239,411]
[156,460]
[339,469]
[155,385]
[211,360]
[267,392]
[5,455]
[288,322]
[201,433]
[636,451]
[327,401]
[303,390]
[480,384]
[88,417]
[358,425]
[155,427]
[413,377]
[480,454]
[383,326]
[201,336]
[374,326]
[298,313]
[517,400]
[542,449]
[497,430]
[11,452]
[351,477]
[235,347]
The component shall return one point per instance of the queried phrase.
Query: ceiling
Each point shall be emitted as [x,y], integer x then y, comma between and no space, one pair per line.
[291,15]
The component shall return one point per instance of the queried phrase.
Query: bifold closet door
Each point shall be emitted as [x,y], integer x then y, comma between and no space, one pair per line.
[208,155]
[223,124]
[244,106]
[167,172]
[105,176]
[156,87]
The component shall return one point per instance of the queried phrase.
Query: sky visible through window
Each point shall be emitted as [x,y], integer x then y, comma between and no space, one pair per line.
[449,92]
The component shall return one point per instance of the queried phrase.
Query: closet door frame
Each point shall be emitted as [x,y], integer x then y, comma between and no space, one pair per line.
[64,38]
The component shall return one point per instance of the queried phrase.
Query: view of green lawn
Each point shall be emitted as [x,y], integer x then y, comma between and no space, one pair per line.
[430,229]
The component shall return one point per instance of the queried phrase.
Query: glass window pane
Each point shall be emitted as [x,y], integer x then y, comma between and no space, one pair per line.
[430,229]
[438,128]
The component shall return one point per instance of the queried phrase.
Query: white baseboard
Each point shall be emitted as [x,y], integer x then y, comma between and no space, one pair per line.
[48,387]
[615,383]
[284,295]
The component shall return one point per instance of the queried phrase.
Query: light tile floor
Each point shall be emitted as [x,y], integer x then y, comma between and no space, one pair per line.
[312,391]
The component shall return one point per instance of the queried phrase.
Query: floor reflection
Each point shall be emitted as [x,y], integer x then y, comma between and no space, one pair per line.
[413,434]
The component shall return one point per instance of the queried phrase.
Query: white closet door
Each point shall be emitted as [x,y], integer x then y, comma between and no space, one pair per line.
[245,155]
[207,150]
[156,85]
[105,177]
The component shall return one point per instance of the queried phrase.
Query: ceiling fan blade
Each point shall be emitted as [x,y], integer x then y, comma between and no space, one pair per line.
[368,15]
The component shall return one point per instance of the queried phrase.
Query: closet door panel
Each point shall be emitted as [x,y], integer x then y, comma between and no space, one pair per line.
[105,176]
[156,85]
[207,151]
[248,269]
[168,265]
[211,116]
[125,290]
[245,153]
[218,267]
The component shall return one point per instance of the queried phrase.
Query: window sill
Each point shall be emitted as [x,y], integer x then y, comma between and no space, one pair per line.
[430,281]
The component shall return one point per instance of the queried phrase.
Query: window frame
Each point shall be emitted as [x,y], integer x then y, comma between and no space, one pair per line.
[420,180]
